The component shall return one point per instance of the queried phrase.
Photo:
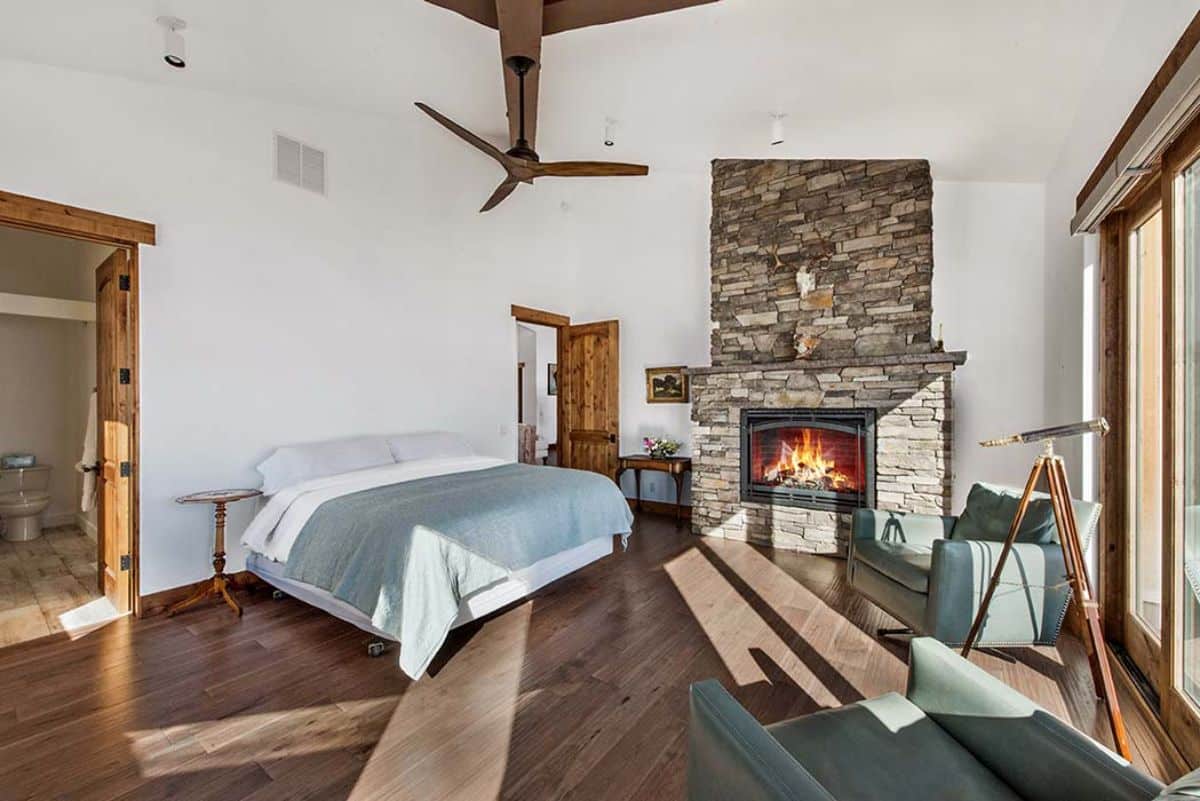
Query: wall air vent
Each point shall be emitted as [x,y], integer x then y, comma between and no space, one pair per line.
[299,164]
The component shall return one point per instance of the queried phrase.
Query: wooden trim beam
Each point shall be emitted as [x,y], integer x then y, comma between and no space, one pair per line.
[524,314]
[1174,60]
[56,218]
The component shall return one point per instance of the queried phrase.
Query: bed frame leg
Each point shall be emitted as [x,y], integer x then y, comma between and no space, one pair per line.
[376,648]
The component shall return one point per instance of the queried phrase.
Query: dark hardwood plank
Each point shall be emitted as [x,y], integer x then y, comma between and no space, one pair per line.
[579,692]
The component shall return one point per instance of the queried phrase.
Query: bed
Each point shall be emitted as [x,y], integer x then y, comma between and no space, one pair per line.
[408,540]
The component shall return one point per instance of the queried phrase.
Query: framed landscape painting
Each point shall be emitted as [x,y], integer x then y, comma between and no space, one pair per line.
[551,379]
[667,385]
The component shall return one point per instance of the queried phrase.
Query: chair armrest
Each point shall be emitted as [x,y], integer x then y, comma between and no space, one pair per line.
[877,524]
[1035,753]
[1029,604]
[731,757]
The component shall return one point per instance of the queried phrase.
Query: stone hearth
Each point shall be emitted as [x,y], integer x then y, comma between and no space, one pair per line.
[821,285]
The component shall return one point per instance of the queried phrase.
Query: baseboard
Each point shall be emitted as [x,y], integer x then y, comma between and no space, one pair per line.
[86,525]
[1129,684]
[158,602]
[661,508]
[56,519]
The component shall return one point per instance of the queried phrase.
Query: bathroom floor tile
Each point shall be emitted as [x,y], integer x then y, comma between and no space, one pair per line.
[43,580]
[15,594]
[58,595]
[23,623]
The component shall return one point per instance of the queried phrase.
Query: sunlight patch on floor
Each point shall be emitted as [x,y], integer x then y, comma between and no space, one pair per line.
[710,598]
[258,737]
[83,620]
[425,751]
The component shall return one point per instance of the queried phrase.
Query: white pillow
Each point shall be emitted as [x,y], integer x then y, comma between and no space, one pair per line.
[429,445]
[293,464]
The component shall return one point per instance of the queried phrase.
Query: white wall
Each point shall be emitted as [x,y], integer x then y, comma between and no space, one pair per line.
[988,295]
[271,315]
[643,259]
[1144,36]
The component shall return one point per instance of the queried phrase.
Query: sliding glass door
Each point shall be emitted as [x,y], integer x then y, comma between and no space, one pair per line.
[1150,566]
[1142,617]
[1187,258]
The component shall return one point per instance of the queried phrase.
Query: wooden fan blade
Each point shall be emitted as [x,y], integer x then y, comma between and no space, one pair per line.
[567,15]
[502,191]
[520,23]
[466,136]
[588,169]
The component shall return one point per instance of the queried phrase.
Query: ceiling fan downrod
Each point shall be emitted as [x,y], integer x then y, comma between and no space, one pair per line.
[520,65]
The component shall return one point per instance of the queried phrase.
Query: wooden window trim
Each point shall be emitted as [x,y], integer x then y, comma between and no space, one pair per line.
[1170,67]
[1179,715]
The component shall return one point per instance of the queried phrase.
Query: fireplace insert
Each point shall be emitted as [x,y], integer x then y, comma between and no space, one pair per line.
[811,458]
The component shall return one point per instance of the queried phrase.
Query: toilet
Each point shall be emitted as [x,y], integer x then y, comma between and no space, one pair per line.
[24,496]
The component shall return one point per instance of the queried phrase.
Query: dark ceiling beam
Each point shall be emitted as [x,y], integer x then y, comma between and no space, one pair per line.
[521,35]
[482,11]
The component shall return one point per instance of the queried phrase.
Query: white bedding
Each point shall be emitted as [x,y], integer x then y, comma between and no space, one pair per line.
[274,530]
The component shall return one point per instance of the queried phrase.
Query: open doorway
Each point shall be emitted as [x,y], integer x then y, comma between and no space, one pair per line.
[587,379]
[68,426]
[537,394]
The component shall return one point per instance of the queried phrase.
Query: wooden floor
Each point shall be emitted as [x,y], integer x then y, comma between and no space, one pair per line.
[43,578]
[578,693]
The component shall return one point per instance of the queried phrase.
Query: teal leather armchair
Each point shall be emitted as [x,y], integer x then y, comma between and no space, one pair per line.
[957,733]
[931,572]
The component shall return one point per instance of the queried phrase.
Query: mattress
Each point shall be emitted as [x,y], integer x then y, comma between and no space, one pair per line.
[518,585]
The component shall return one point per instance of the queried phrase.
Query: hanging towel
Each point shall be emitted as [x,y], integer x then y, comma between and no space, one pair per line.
[88,459]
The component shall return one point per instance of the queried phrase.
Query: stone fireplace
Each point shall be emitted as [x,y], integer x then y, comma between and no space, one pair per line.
[826,392]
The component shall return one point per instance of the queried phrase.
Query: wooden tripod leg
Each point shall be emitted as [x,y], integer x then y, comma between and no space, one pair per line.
[981,615]
[1064,513]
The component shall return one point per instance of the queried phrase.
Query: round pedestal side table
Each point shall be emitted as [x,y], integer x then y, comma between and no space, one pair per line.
[219,585]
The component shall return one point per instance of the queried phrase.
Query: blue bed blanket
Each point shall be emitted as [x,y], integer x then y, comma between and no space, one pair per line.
[407,554]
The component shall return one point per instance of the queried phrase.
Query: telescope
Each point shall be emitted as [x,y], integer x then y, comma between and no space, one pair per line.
[1098,426]
[1053,468]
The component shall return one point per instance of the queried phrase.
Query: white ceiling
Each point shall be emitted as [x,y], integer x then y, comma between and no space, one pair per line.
[985,90]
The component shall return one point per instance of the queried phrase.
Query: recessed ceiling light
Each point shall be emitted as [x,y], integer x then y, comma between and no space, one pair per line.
[174,47]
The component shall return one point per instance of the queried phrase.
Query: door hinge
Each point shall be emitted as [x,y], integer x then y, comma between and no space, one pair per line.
[126,562]
[126,469]
[123,283]
[123,375]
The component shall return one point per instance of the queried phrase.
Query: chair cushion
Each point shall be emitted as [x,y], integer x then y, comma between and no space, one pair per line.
[902,562]
[990,512]
[887,748]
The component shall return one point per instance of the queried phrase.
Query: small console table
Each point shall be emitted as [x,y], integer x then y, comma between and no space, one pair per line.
[674,466]
[218,585]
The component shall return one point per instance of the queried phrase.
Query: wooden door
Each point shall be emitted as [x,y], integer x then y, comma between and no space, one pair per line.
[590,384]
[114,420]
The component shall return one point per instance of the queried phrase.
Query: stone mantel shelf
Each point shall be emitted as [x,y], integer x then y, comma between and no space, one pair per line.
[955,357]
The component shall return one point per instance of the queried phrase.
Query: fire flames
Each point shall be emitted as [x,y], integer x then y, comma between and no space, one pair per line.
[804,464]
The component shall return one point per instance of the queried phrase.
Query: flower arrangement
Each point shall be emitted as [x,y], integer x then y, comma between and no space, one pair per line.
[659,447]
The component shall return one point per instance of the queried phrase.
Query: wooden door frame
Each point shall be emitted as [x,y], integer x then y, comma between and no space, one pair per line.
[48,217]
[560,323]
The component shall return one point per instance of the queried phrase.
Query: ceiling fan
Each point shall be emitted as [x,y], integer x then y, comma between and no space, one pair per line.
[521,24]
